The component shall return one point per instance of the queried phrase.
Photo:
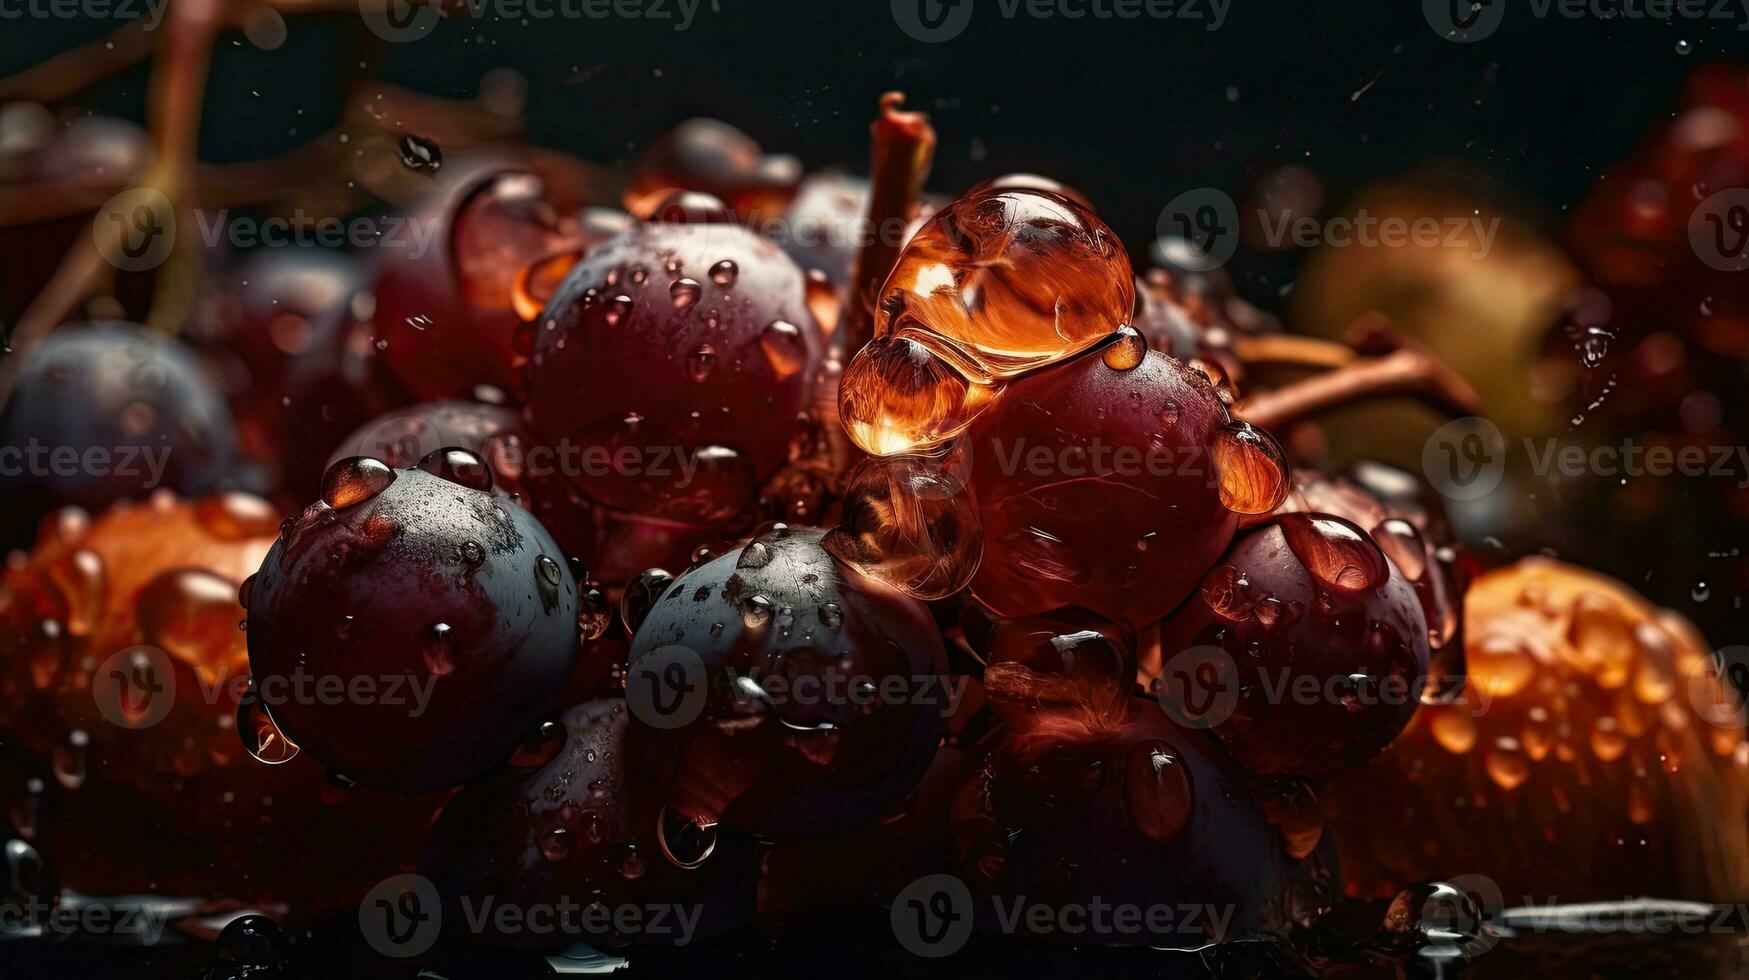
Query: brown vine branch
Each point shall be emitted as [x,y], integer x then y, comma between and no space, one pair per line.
[903,148]
[1406,371]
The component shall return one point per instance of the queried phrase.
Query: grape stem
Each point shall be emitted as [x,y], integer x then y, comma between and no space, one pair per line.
[903,148]
[1406,371]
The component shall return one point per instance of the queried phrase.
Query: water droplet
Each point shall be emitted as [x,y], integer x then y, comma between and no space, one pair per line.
[540,746]
[1506,763]
[1336,552]
[785,350]
[80,578]
[436,653]
[555,844]
[472,553]
[419,154]
[1127,351]
[1252,470]
[724,273]
[594,615]
[355,480]
[684,292]
[617,310]
[1683,47]
[191,614]
[70,759]
[262,738]
[755,555]
[458,466]
[1404,546]
[685,843]
[640,597]
[1156,792]
[756,612]
[701,362]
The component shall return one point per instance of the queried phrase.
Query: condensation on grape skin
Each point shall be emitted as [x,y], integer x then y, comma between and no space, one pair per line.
[1337,553]
[1252,470]
[898,398]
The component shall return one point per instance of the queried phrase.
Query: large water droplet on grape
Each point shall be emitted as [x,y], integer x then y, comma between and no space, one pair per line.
[909,521]
[897,397]
[458,466]
[354,480]
[1337,553]
[1252,470]
[1127,350]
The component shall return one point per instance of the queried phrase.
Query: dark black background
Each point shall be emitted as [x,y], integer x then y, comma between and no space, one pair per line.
[1132,112]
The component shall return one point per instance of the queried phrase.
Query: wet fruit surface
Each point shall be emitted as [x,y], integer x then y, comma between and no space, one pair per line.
[1128,808]
[672,369]
[1096,489]
[590,828]
[1310,648]
[779,692]
[125,410]
[451,595]
[1597,746]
